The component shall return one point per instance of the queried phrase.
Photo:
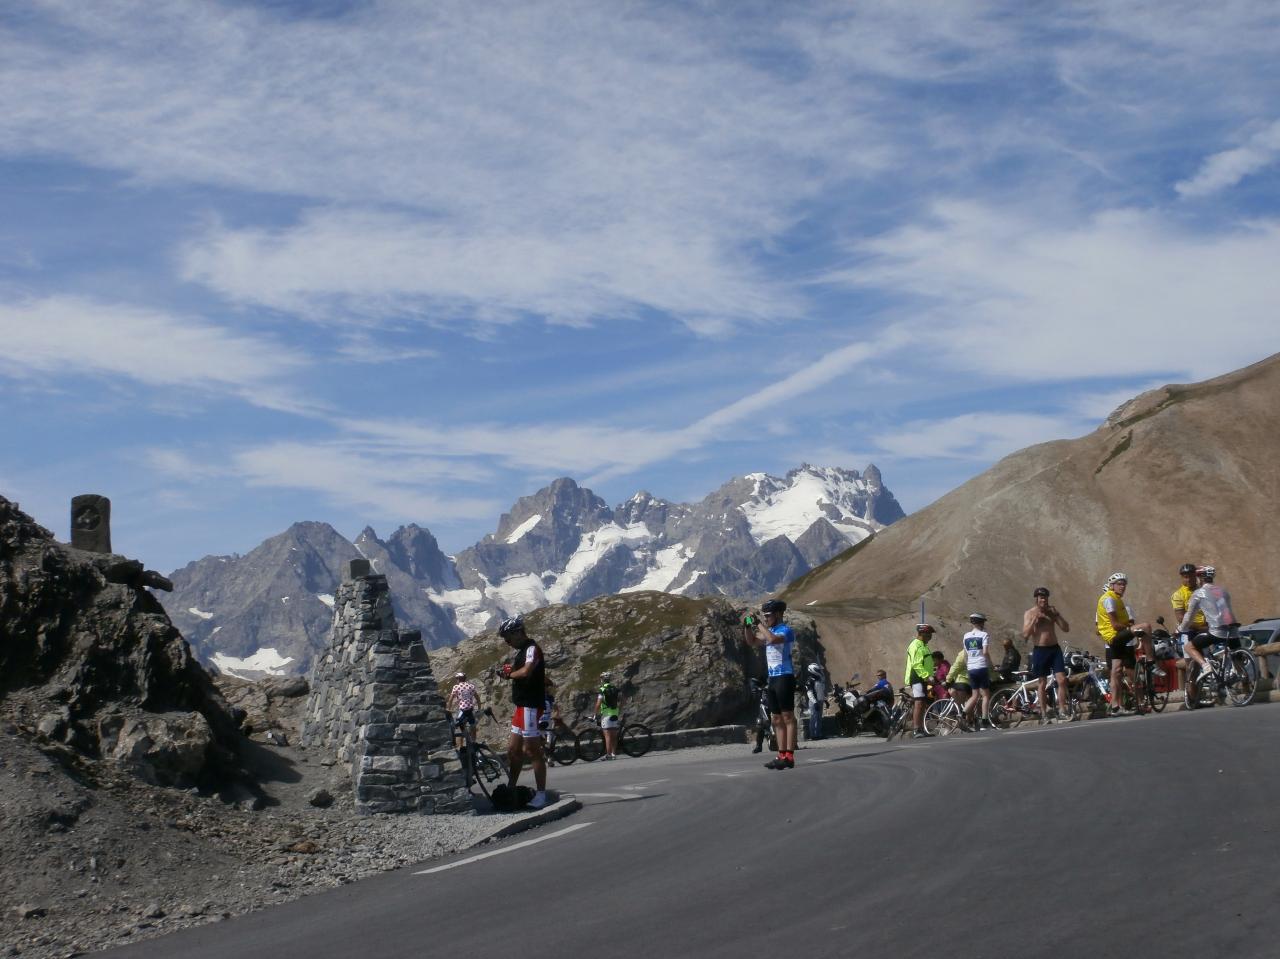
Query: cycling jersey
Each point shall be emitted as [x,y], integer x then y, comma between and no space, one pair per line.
[464,696]
[1110,602]
[975,649]
[777,656]
[919,662]
[1215,602]
[1181,599]
[959,672]
[531,690]
[608,691]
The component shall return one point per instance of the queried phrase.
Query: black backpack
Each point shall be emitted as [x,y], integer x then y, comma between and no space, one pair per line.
[609,694]
[507,800]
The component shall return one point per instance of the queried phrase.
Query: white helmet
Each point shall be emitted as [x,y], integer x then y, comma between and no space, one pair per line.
[1207,572]
[815,669]
[1116,578]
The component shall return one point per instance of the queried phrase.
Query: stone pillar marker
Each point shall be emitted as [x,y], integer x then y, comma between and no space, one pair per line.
[374,706]
[358,568]
[91,523]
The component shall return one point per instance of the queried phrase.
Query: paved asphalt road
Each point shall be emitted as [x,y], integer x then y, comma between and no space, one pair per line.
[1115,839]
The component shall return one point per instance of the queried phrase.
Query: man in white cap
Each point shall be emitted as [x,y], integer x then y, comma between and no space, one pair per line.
[462,703]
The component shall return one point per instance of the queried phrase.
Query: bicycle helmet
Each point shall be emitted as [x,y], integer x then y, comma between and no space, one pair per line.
[774,606]
[459,675]
[1040,591]
[1117,578]
[815,670]
[977,618]
[1187,569]
[1208,572]
[924,629]
[510,626]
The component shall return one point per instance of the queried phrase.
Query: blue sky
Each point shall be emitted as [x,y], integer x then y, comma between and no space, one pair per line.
[392,262]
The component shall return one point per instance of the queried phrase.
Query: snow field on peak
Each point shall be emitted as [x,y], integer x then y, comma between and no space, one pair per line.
[518,533]
[667,564]
[196,611]
[265,662]
[789,510]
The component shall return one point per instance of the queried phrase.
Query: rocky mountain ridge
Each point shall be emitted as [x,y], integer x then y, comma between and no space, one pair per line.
[269,612]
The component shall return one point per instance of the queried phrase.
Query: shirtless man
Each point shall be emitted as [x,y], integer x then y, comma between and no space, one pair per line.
[1040,624]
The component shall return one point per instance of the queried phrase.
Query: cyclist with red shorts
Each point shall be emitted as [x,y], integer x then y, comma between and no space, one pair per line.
[527,672]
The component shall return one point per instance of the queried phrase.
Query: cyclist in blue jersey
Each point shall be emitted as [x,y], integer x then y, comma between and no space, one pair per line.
[778,639]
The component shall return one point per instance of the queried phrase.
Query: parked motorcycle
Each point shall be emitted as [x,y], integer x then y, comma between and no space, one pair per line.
[858,712]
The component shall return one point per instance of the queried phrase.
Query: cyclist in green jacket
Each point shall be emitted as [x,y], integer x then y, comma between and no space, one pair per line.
[919,676]
[609,714]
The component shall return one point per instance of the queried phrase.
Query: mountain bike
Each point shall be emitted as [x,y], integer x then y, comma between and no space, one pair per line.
[481,766]
[634,739]
[1232,675]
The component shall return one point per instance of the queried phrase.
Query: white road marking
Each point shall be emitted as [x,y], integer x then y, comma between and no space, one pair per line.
[651,782]
[727,775]
[505,849]
[810,762]
[606,795]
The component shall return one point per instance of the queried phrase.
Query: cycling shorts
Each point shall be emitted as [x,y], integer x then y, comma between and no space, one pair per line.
[980,679]
[465,717]
[918,691]
[963,687]
[1120,650]
[1205,641]
[524,722]
[1047,660]
[782,694]
[610,722]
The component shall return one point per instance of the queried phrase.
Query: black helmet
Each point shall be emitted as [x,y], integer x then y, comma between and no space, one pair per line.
[510,626]
[773,606]
[1041,591]
[1187,569]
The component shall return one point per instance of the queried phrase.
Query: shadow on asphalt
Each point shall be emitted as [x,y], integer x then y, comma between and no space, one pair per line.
[611,802]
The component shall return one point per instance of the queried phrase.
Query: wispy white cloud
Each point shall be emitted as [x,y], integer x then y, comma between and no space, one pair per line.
[1125,293]
[58,335]
[981,437]
[348,474]
[1226,169]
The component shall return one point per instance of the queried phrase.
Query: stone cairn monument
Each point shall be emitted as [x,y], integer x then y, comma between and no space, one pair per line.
[375,706]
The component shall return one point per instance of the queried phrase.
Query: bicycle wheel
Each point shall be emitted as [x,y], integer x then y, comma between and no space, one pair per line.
[941,718]
[1241,677]
[635,739]
[489,769]
[590,744]
[1158,693]
[1002,711]
[565,750]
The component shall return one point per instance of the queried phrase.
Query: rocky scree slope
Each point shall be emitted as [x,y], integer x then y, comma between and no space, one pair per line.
[680,661]
[1183,473]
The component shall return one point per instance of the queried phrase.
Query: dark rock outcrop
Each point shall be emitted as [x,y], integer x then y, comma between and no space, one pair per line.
[680,661]
[88,658]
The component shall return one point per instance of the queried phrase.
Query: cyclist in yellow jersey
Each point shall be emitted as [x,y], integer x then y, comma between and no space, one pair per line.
[1119,632]
[1181,599]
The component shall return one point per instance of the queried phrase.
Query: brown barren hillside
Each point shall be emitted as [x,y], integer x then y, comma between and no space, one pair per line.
[1179,474]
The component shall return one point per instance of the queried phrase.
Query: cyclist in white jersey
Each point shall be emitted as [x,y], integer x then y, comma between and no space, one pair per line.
[977,651]
[1215,602]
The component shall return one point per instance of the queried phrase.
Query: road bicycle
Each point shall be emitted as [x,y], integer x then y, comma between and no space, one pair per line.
[481,766]
[634,739]
[944,717]
[1146,694]
[900,716]
[560,744]
[1011,706]
[1232,675]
